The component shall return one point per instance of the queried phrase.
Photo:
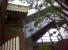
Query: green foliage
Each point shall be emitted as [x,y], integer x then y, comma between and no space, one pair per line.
[30,30]
[44,47]
[45,12]
[49,1]
[36,22]
[49,9]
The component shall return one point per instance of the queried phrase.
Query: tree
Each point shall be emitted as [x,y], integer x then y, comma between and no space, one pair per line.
[45,47]
[52,9]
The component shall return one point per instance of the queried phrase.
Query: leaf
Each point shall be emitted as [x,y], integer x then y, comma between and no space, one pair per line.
[44,47]
[45,12]
[30,30]
[53,9]
[50,9]
[37,22]
[49,1]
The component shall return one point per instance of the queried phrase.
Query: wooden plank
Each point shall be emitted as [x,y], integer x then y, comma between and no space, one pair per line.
[3,7]
[18,8]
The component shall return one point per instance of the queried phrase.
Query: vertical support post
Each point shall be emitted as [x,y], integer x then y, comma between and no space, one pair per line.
[3,7]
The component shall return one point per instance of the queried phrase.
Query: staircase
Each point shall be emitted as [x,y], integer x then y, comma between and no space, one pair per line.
[12,36]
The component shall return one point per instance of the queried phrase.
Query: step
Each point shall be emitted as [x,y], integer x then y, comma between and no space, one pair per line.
[18,8]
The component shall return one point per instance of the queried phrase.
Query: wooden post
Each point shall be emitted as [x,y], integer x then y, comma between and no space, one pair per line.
[3,7]
[11,33]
